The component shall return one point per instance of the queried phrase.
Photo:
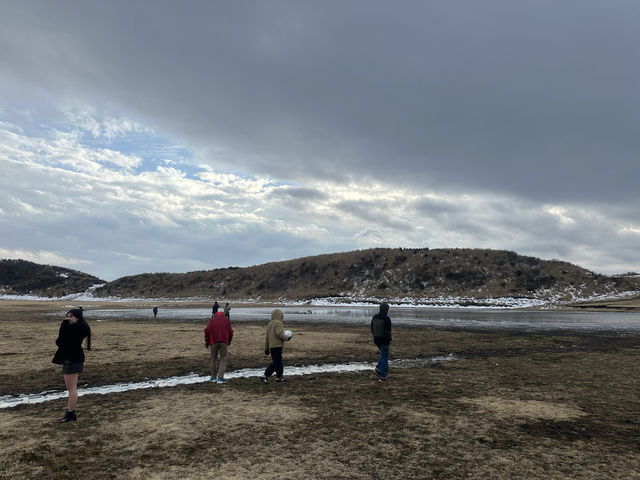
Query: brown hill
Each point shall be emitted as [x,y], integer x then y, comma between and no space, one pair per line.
[382,273]
[20,277]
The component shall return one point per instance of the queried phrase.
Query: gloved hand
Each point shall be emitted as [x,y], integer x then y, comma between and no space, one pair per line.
[266,351]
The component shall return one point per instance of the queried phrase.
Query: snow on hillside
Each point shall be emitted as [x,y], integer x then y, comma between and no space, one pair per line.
[549,300]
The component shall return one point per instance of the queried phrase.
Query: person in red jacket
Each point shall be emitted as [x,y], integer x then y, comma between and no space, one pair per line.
[217,338]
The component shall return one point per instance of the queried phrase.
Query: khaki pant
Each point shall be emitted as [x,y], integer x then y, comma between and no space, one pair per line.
[218,365]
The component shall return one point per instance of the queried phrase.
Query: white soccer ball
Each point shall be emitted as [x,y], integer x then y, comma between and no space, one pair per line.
[288,334]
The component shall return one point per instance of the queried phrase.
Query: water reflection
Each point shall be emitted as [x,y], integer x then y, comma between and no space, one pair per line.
[485,319]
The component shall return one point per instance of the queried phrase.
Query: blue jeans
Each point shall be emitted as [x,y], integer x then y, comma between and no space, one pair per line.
[383,361]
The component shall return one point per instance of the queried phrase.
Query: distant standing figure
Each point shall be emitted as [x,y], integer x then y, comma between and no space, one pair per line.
[381,330]
[215,308]
[273,345]
[155,311]
[217,338]
[73,330]
[227,308]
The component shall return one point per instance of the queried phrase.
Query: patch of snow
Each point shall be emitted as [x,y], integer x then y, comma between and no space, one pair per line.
[9,401]
[434,302]
[87,295]
[542,299]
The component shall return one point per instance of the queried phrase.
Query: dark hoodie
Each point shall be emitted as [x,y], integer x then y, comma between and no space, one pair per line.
[69,341]
[381,326]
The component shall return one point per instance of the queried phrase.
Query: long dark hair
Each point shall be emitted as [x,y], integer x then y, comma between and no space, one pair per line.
[79,314]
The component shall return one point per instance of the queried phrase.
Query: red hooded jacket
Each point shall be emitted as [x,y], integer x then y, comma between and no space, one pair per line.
[218,330]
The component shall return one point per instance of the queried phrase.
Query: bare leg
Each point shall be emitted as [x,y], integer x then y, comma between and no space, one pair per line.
[71,382]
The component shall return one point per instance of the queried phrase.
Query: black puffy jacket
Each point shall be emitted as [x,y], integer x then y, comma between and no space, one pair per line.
[69,341]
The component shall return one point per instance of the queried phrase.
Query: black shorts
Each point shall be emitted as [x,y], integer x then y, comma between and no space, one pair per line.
[69,367]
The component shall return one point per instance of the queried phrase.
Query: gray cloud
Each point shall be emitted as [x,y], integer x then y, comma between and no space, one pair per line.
[537,99]
[437,207]
[498,124]
[376,213]
[293,195]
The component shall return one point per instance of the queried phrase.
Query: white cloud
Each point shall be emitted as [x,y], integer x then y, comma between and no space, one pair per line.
[561,214]
[633,229]
[63,185]
[108,156]
[23,208]
[85,118]
[45,257]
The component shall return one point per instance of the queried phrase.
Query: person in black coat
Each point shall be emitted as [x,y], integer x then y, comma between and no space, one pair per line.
[73,330]
[381,330]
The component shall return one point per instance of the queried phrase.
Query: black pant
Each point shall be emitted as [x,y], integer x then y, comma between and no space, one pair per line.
[276,363]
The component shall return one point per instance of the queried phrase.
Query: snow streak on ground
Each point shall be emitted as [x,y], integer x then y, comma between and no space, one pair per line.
[9,401]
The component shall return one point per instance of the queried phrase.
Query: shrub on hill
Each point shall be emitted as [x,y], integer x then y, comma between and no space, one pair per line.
[381,273]
[21,277]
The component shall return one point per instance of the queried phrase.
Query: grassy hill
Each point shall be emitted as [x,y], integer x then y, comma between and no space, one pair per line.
[20,277]
[381,273]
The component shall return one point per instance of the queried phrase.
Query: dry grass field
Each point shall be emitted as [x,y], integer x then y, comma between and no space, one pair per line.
[512,406]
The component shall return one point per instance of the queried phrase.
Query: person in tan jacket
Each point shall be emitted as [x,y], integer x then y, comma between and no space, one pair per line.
[273,345]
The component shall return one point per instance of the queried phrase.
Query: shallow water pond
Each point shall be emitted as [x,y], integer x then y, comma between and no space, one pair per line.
[450,318]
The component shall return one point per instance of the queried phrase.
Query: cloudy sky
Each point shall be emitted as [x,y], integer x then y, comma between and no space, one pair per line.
[164,136]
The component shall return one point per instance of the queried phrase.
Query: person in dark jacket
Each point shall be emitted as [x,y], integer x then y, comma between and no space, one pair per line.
[381,330]
[215,308]
[73,330]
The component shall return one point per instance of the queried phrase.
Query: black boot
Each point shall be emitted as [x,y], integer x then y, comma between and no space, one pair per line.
[69,416]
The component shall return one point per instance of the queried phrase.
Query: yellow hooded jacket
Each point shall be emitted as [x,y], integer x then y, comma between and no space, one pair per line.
[275,337]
